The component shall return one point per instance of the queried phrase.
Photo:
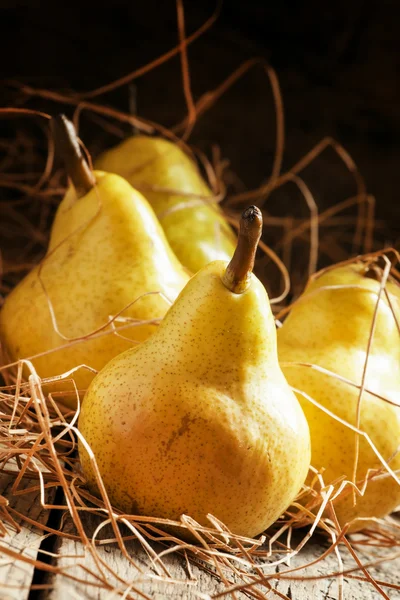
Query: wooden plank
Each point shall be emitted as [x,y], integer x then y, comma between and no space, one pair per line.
[16,575]
[74,560]
[329,588]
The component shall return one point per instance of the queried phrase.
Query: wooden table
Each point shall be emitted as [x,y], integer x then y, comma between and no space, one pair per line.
[68,559]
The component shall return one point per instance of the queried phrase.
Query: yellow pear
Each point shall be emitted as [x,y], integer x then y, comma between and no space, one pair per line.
[329,326]
[107,251]
[199,419]
[193,223]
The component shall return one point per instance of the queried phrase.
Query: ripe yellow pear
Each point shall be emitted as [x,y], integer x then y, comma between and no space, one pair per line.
[329,326]
[107,250]
[193,223]
[199,419]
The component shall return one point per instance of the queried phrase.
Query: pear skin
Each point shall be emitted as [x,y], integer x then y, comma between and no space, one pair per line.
[199,418]
[197,232]
[106,251]
[330,328]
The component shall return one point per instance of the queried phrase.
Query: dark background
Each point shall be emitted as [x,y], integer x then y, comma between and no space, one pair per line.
[338,65]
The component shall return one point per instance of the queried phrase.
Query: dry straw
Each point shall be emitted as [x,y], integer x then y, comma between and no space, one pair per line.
[39,435]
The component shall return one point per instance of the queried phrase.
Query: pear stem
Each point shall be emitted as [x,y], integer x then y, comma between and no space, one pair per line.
[374,269]
[68,148]
[238,273]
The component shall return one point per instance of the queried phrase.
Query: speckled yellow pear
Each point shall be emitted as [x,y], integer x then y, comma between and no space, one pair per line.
[329,326]
[193,223]
[199,419]
[107,250]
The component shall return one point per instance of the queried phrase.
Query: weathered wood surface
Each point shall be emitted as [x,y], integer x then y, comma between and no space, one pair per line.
[16,575]
[203,584]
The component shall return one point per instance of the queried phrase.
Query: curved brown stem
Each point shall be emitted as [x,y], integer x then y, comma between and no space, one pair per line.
[67,147]
[237,275]
[375,268]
